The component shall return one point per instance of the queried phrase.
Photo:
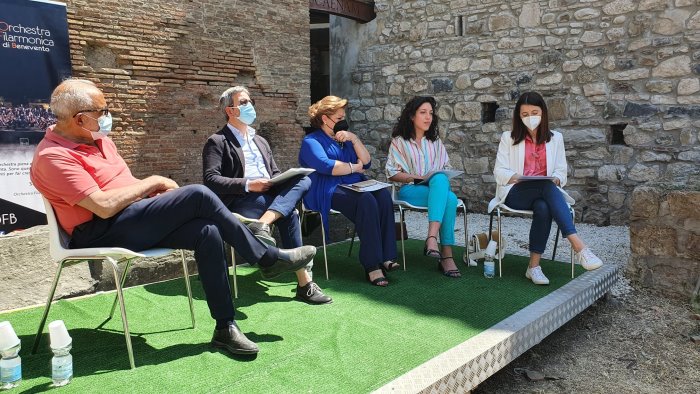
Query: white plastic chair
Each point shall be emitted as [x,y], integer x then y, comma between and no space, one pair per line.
[63,256]
[404,206]
[502,209]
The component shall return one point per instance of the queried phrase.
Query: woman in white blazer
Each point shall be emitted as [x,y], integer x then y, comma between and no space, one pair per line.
[531,149]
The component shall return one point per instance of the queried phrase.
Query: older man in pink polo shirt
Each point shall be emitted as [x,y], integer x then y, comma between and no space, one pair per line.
[98,202]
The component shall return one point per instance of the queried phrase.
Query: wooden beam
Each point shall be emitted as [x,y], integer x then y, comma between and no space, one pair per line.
[353,9]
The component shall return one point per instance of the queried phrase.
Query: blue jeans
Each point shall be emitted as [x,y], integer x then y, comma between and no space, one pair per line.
[546,202]
[441,203]
[282,199]
[373,215]
[191,217]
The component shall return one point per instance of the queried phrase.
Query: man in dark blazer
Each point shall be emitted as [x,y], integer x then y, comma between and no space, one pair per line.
[238,165]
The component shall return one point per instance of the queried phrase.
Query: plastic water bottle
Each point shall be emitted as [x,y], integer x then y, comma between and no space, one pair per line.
[11,362]
[62,361]
[489,265]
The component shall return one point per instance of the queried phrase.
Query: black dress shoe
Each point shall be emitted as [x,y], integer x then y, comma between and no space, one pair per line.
[232,339]
[262,232]
[290,260]
[312,294]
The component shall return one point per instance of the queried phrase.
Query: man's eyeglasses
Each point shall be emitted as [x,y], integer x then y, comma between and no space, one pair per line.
[243,102]
[103,111]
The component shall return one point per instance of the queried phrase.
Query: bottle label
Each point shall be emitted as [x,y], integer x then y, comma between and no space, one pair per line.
[11,374]
[62,372]
[489,269]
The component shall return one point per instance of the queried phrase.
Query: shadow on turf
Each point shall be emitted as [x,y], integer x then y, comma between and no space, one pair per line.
[102,351]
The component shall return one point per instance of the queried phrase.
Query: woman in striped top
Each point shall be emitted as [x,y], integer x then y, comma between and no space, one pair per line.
[415,152]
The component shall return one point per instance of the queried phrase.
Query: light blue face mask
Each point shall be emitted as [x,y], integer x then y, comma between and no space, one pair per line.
[248,114]
[105,123]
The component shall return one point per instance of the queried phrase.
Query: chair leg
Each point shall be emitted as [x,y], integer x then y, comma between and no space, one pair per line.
[52,291]
[500,242]
[120,295]
[325,254]
[186,274]
[122,280]
[466,235]
[571,253]
[235,273]
[352,240]
[402,217]
[556,242]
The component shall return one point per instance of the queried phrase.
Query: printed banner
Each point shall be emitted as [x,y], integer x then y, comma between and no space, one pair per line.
[34,59]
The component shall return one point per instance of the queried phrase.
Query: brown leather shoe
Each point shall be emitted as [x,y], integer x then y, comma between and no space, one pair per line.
[232,339]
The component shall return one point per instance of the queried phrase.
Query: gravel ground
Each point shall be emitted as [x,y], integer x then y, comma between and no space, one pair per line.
[630,342]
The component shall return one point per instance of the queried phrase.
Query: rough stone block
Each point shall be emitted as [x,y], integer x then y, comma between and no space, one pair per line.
[611,173]
[645,203]
[649,240]
[468,111]
[684,204]
[678,66]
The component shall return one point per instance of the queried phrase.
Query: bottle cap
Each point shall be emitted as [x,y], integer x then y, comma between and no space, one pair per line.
[491,248]
[59,335]
[8,337]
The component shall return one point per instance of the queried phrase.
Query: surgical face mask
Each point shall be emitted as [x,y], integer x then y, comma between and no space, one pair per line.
[532,121]
[248,114]
[340,126]
[105,123]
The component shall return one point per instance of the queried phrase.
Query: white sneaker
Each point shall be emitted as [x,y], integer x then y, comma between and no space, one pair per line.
[536,276]
[587,259]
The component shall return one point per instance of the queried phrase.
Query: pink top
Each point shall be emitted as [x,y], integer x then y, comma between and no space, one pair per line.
[66,172]
[535,158]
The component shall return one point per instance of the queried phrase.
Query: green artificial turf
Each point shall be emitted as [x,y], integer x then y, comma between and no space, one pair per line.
[367,337]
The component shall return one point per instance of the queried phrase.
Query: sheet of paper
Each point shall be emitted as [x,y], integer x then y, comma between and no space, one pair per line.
[450,174]
[291,173]
[535,178]
[367,186]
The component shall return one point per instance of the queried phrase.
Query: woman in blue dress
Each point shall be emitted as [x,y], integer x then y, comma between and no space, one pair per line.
[339,157]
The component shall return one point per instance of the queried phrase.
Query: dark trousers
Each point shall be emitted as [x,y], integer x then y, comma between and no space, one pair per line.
[546,202]
[373,215]
[191,217]
[282,199]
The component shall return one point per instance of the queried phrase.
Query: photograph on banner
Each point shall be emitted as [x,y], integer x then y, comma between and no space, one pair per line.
[34,59]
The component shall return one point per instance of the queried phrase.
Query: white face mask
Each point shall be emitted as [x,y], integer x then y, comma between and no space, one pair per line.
[532,121]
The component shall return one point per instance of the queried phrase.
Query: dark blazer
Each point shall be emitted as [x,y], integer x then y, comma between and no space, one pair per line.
[223,164]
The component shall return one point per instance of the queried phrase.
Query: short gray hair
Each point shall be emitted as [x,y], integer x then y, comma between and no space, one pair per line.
[226,99]
[71,96]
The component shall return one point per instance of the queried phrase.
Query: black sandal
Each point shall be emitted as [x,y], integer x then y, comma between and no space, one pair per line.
[381,281]
[448,273]
[431,252]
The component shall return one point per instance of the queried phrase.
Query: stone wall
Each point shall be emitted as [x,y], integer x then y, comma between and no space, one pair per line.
[665,238]
[620,78]
[163,65]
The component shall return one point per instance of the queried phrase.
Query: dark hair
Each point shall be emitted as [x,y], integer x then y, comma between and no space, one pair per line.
[519,131]
[404,127]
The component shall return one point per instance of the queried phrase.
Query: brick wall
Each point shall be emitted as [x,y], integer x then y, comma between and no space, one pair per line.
[163,64]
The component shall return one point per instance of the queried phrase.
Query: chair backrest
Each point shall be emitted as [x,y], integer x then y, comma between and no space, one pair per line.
[58,239]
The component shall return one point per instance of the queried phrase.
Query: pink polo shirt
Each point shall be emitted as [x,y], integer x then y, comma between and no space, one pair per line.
[535,158]
[66,172]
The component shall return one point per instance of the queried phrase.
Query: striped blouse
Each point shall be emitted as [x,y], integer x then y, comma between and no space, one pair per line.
[410,157]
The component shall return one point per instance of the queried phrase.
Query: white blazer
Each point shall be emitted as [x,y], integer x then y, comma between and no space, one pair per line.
[510,160]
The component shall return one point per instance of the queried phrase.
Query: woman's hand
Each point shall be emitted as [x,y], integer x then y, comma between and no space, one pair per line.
[343,136]
[556,181]
[358,167]
[514,179]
